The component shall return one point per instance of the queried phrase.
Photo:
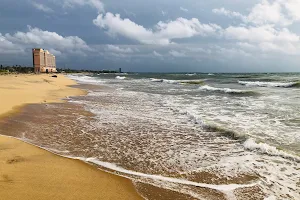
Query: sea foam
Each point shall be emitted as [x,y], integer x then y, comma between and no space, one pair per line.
[121,77]
[86,79]
[264,148]
[269,84]
[111,166]
[225,90]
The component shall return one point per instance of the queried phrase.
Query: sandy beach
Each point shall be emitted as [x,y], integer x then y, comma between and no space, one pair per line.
[28,172]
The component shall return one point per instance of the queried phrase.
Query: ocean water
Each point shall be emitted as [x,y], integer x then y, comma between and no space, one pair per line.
[203,136]
[181,125]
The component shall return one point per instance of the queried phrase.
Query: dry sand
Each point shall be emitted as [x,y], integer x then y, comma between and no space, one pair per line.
[28,172]
[17,90]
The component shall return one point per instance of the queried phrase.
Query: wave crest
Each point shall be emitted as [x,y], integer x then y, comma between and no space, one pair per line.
[264,148]
[86,79]
[270,84]
[192,82]
[121,77]
[227,90]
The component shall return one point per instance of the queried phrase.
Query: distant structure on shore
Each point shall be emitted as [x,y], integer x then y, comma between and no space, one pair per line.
[43,61]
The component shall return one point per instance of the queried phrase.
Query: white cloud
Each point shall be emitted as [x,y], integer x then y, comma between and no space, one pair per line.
[118,49]
[157,54]
[55,52]
[231,52]
[260,34]
[184,9]
[164,13]
[246,46]
[198,50]
[267,12]
[42,7]
[177,53]
[286,48]
[36,37]
[292,7]
[92,3]
[265,39]
[263,31]
[228,13]
[7,47]
[163,33]
[275,12]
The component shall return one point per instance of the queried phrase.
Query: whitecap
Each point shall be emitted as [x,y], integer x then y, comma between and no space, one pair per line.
[264,148]
[224,90]
[267,84]
[86,79]
[121,77]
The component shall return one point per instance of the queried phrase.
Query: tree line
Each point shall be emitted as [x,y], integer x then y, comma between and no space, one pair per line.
[27,70]
[16,69]
[87,71]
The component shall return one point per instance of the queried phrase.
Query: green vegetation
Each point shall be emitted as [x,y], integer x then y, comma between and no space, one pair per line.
[15,69]
[85,71]
[18,69]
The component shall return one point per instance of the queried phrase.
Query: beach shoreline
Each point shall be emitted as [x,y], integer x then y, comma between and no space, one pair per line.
[30,172]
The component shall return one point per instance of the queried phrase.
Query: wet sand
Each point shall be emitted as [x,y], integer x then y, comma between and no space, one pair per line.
[28,172]
[70,134]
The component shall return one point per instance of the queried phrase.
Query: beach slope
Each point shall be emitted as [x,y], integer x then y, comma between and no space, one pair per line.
[28,172]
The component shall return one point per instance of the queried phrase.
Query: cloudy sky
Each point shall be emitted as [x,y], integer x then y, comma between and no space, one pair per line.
[156,35]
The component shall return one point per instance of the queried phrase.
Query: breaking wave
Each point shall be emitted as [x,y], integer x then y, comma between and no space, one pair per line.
[249,143]
[216,129]
[156,80]
[270,84]
[227,90]
[192,82]
[225,132]
[121,77]
[264,148]
[194,74]
[86,79]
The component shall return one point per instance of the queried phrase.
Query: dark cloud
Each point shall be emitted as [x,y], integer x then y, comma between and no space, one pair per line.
[170,35]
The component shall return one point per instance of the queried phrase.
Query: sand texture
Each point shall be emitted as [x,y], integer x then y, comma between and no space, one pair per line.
[17,90]
[28,172]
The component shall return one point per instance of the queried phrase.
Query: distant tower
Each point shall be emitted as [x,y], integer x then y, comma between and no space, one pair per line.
[43,61]
[120,70]
[38,59]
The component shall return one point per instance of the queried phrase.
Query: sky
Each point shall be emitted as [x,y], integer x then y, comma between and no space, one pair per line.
[154,36]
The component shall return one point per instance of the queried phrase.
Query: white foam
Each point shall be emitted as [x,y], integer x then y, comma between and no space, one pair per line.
[156,80]
[86,79]
[175,81]
[194,74]
[264,148]
[225,90]
[171,81]
[266,84]
[114,167]
[121,77]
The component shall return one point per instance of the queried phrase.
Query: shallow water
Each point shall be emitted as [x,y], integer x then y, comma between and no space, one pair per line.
[200,136]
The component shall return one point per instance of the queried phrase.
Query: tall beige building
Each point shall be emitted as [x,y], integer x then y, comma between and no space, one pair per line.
[43,61]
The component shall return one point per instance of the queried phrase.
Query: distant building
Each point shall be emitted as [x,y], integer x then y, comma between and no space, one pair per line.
[43,61]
